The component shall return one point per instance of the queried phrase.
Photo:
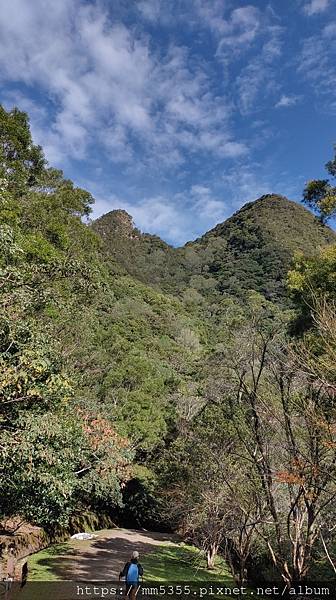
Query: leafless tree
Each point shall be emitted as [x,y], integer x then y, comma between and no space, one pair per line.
[285,428]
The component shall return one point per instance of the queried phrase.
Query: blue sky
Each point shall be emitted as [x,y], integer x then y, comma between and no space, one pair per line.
[179,111]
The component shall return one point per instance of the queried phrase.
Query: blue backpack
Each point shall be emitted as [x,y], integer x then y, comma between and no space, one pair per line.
[132,574]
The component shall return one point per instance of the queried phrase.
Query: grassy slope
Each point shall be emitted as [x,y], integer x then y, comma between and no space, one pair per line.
[40,564]
[182,563]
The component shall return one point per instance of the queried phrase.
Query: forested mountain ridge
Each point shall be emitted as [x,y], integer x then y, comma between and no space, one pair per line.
[252,250]
[167,386]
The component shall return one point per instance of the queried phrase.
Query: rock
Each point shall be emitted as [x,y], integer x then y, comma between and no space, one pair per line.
[83,536]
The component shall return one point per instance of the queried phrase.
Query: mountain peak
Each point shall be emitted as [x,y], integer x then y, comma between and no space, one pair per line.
[119,222]
[271,196]
[279,217]
[252,250]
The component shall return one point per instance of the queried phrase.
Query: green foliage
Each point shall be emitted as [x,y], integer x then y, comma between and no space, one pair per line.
[50,462]
[314,275]
[253,249]
[90,359]
[250,251]
[49,458]
[142,506]
[320,195]
[310,280]
[21,162]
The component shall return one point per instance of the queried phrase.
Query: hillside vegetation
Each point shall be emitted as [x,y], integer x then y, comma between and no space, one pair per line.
[252,250]
[174,388]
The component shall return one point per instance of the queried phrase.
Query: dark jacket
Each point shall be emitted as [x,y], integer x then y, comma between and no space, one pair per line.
[134,561]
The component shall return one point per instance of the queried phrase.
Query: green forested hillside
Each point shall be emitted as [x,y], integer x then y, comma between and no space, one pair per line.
[90,358]
[254,248]
[167,386]
[250,251]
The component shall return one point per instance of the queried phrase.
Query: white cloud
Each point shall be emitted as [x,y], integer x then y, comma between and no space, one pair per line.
[104,82]
[329,30]
[208,208]
[232,27]
[248,182]
[314,7]
[258,79]
[316,64]
[241,28]
[287,101]
[200,190]
[92,83]
[89,68]
[177,217]
[159,215]
[183,216]
[149,9]
[115,140]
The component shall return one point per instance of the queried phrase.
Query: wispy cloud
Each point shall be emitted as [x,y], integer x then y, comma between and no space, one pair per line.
[314,7]
[316,64]
[150,9]
[248,182]
[231,26]
[94,72]
[287,101]
[106,83]
[240,27]
[259,78]
[329,30]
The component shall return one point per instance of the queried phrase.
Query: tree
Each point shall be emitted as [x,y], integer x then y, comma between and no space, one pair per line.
[285,425]
[198,502]
[21,162]
[320,194]
[311,279]
[53,457]
[259,460]
[207,493]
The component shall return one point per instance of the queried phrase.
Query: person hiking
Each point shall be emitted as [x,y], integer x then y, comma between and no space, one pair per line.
[132,572]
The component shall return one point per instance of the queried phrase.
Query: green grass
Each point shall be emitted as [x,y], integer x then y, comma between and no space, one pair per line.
[182,563]
[40,565]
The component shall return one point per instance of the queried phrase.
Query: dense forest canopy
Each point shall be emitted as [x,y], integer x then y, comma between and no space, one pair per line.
[184,388]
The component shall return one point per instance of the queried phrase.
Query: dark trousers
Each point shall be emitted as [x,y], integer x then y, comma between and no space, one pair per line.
[131,590]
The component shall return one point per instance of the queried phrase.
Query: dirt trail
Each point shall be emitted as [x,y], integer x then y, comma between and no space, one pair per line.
[102,558]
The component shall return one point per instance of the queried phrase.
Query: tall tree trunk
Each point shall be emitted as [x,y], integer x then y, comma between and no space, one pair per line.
[211,555]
